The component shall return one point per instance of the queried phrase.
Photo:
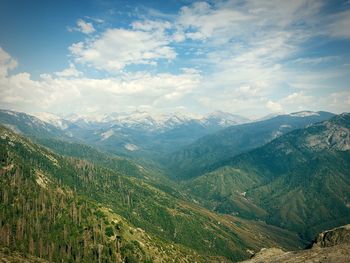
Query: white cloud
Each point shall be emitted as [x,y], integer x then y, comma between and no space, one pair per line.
[83,27]
[150,25]
[6,63]
[222,21]
[76,48]
[298,101]
[264,35]
[274,106]
[69,72]
[297,98]
[249,44]
[251,55]
[339,101]
[283,14]
[252,90]
[307,79]
[201,21]
[315,60]
[97,20]
[117,48]
[79,94]
[339,25]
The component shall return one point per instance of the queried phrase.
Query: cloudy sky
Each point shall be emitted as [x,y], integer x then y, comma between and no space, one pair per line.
[245,57]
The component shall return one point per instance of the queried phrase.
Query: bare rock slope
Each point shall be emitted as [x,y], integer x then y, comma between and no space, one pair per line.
[330,246]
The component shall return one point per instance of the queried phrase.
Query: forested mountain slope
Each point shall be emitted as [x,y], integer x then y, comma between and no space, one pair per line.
[31,126]
[200,156]
[299,181]
[55,207]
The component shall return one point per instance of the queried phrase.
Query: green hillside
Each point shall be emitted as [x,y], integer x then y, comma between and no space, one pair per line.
[203,155]
[300,181]
[50,191]
[31,126]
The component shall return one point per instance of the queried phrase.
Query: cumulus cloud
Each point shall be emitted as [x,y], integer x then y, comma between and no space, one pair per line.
[246,43]
[249,58]
[78,94]
[274,106]
[117,48]
[150,25]
[223,20]
[71,71]
[83,27]
[297,98]
[248,46]
[6,63]
[201,21]
[256,42]
[339,100]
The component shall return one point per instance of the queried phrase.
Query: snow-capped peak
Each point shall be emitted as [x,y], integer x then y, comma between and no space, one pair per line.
[149,121]
[146,120]
[52,119]
[304,114]
[87,118]
[223,119]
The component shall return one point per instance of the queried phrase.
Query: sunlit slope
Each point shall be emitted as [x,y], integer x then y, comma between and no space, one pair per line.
[300,181]
[204,154]
[165,217]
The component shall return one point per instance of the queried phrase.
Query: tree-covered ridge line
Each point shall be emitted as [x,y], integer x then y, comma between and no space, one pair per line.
[43,217]
[48,220]
[299,181]
[176,228]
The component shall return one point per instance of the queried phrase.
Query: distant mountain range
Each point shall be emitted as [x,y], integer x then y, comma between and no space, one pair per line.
[203,154]
[143,120]
[30,126]
[132,134]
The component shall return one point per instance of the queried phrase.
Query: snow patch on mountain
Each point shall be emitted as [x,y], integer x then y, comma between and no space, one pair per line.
[107,134]
[147,121]
[85,118]
[156,121]
[285,126]
[11,113]
[222,119]
[52,119]
[304,114]
[131,147]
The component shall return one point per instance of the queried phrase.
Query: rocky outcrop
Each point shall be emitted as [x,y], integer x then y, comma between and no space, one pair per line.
[333,237]
[330,246]
[334,134]
[333,137]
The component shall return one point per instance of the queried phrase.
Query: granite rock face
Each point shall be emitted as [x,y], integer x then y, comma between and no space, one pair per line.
[337,236]
[330,246]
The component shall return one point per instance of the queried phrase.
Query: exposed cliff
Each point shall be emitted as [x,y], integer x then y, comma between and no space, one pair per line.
[330,246]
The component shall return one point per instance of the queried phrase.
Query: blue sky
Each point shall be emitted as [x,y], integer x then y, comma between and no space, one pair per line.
[246,57]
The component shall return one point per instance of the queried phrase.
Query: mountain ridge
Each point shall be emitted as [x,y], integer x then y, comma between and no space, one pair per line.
[158,213]
[147,120]
[288,182]
[203,154]
[137,134]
